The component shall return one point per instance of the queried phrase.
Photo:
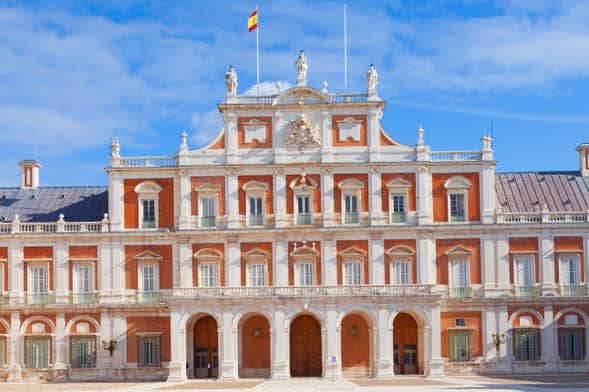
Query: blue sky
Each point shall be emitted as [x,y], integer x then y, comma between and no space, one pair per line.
[74,74]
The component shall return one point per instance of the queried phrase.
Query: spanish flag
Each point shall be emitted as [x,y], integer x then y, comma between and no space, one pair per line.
[252,21]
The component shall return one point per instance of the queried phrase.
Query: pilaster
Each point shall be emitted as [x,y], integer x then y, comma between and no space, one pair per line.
[184,262]
[502,257]
[546,261]
[279,198]
[326,133]
[332,333]
[383,344]
[60,275]
[184,199]
[233,263]
[548,339]
[14,348]
[426,259]
[376,259]
[375,196]
[488,194]
[424,196]
[489,328]
[280,360]
[16,267]
[373,123]
[116,203]
[327,203]
[60,342]
[280,262]
[488,262]
[118,268]
[436,364]
[231,199]
[104,269]
[230,129]
[177,366]
[329,260]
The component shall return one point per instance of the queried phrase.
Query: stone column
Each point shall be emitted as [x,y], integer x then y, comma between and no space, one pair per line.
[546,261]
[116,203]
[502,316]
[376,259]
[60,272]
[279,198]
[488,194]
[436,364]
[118,268]
[16,275]
[424,196]
[280,358]
[177,366]
[185,263]
[329,261]
[233,263]
[327,203]
[14,347]
[103,357]
[383,344]
[374,133]
[230,128]
[60,342]
[548,341]
[184,200]
[231,199]
[502,257]
[119,333]
[280,260]
[104,269]
[332,335]
[228,348]
[489,328]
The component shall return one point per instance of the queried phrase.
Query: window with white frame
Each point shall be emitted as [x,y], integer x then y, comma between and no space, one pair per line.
[352,272]
[82,351]
[255,198]
[207,275]
[460,345]
[304,274]
[351,193]
[526,344]
[304,259]
[256,261]
[38,275]
[398,195]
[149,350]
[459,273]
[303,188]
[148,277]
[524,270]
[83,278]
[148,197]
[256,274]
[569,269]
[400,272]
[457,190]
[207,204]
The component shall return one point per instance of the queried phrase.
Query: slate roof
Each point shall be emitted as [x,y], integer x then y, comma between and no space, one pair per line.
[44,204]
[530,191]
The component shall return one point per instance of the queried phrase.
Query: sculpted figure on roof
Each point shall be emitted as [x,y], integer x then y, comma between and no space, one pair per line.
[371,78]
[302,68]
[231,81]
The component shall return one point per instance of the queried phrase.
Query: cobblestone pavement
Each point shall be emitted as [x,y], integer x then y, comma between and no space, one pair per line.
[546,383]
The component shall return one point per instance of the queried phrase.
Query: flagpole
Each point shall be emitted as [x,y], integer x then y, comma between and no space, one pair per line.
[257,57]
[345,47]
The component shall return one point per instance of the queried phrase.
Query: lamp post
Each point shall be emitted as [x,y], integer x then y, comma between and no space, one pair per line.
[498,340]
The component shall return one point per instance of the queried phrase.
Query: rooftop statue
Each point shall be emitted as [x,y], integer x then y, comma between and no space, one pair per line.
[302,68]
[371,78]
[231,81]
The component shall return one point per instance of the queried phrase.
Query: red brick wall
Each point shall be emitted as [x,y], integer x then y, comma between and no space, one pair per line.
[443,246]
[165,264]
[165,203]
[440,196]
[148,324]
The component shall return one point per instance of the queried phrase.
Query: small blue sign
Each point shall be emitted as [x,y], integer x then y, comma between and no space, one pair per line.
[333,361]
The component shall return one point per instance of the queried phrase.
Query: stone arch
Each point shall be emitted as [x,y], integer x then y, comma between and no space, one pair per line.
[571,309]
[202,351]
[357,339]
[255,337]
[75,319]
[32,319]
[531,311]
[410,326]
[311,310]
[306,345]
[6,326]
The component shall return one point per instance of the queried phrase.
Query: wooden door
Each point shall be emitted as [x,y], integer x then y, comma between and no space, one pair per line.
[305,347]
[405,344]
[206,351]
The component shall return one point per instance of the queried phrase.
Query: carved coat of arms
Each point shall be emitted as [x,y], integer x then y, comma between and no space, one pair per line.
[301,134]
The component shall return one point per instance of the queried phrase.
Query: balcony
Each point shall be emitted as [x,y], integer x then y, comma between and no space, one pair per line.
[83,298]
[303,219]
[398,217]
[457,218]
[39,298]
[149,297]
[208,221]
[573,290]
[255,220]
[527,291]
[400,291]
[351,218]
[460,292]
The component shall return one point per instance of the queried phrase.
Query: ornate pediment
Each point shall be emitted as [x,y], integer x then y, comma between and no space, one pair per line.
[301,134]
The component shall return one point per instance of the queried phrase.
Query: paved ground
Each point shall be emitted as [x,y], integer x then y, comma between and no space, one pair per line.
[547,383]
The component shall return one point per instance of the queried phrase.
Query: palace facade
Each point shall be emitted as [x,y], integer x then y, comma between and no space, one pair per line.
[303,241]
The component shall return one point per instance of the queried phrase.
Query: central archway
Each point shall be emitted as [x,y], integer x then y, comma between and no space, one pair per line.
[356,335]
[205,344]
[405,344]
[254,354]
[305,347]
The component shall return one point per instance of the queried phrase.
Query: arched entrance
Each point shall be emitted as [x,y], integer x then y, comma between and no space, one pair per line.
[204,348]
[406,345]
[356,338]
[254,343]
[305,347]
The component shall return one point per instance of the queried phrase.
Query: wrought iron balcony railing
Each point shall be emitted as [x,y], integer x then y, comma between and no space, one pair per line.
[398,217]
[573,290]
[256,220]
[83,298]
[208,221]
[460,292]
[303,219]
[39,298]
[351,218]
[527,291]
[149,297]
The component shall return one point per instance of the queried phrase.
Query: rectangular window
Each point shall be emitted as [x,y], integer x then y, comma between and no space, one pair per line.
[83,283]
[82,352]
[38,279]
[256,275]
[351,209]
[148,217]
[148,277]
[207,274]
[398,211]
[459,274]
[569,270]
[352,272]
[303,210]
[571,344]
[2,350]
[526,344]
[256,211]
[208,211]
[304,274]
[37,352]
[460,346]
[400,270]
[457,213]
[148,351]
[524,268]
